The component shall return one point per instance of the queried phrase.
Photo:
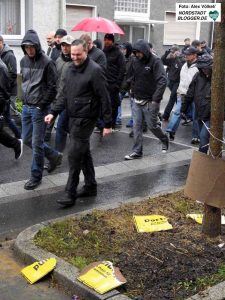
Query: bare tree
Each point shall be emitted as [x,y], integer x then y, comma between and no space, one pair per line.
[212,215]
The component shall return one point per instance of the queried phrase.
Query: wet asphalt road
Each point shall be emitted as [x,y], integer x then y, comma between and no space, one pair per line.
[17,214]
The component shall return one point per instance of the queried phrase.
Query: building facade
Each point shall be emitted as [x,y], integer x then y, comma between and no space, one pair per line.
[153,20]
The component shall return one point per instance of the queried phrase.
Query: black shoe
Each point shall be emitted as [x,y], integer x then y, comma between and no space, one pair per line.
[145,129]
[171,136]
[87,192]
[165,145]
[31,184]
[132,156]
[195,141]
[69,200]
[55,162]
[131,134]
[186,122]
[19,149]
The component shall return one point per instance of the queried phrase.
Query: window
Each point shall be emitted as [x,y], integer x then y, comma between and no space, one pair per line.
[12,18]
[74,14]
[176,32]
[135,6]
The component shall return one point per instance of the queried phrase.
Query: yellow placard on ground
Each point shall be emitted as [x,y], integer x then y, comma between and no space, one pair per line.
[102,276]
[38,269]
[199,217]
[151,223]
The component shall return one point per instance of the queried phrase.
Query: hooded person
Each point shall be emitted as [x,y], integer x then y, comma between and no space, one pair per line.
[8,57]
[6,139]
[38,91]
[199,92]
[148,85]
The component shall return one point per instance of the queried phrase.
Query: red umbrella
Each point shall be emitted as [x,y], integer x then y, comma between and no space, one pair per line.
[97,24]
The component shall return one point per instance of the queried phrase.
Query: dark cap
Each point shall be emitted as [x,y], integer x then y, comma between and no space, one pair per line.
[61,32]
[27,43]
[191,50]
[109,36]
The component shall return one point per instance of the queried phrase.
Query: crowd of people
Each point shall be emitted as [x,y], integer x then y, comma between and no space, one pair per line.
[82,85]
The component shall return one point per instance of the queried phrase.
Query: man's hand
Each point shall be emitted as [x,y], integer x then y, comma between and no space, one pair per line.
[49,118]
[107,131]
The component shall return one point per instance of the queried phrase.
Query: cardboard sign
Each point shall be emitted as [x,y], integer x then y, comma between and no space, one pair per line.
[199,217]
[101,276]
[38,269]
[206,180]
[152,223]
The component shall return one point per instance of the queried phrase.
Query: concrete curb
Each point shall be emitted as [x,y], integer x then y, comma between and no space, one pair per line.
[65,274]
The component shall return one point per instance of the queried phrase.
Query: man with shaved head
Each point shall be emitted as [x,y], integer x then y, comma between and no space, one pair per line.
[50,38]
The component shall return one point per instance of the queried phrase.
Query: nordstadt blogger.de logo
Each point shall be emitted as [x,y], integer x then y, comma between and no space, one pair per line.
[200,12]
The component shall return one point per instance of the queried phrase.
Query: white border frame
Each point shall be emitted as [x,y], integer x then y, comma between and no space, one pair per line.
[22,20]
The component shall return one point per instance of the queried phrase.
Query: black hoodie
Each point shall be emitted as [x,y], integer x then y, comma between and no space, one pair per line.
[149,76]
[4,85]
[9,59]
[39,74]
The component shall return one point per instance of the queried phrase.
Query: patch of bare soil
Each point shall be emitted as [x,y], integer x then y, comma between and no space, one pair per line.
[170,264]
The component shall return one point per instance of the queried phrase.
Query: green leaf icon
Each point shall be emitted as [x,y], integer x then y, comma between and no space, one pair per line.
[214,15]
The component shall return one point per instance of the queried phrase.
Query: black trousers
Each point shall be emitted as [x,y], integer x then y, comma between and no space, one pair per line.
[7,140]
[173,86]
[115,102]
[79,155]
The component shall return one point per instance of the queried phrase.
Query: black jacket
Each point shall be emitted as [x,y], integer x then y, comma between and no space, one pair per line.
[9,59]
[4,86]
[56,51]
[85,93]
[98,56]
[116,66]
[200,92]
[39,74]
[148,75]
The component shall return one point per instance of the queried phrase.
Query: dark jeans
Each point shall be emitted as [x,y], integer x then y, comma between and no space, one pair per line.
[61,132]
[204,136]
[79,155]
[33,132]
[172,85]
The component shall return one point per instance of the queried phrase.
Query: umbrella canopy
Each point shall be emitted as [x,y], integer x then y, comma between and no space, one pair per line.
[97,24]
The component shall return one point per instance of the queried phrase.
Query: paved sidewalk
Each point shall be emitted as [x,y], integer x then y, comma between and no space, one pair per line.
[118,168]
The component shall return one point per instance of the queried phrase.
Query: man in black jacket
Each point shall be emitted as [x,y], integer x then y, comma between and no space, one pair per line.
[115,72]
[6,139]
[148,85]
[199,92]
[56,50]
[38,91]
[85,94]
[174,61]
[8,57]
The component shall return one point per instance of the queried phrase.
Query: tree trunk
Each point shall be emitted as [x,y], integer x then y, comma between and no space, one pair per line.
[212,215]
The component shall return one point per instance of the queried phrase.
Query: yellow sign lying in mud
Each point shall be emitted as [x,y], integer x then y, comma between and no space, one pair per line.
[199,217]
[151,223]
[101,276]
[38,269]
